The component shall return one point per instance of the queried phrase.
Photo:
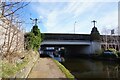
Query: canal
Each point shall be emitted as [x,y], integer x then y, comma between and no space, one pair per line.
[89,68]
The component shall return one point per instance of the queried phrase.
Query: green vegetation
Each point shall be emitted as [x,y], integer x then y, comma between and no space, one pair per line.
[10,69]
[95,35]
[116,54]
[114,51]
[42,36]
[32,42]
[33,39]
[99,52]
[64,70]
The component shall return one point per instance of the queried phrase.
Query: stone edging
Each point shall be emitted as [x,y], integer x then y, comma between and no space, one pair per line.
[64,70]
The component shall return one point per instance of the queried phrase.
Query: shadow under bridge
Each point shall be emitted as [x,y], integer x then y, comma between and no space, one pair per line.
[72,48]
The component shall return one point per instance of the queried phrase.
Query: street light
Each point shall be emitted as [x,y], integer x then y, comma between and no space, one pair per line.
[74,26]
[94,22]
[35,20]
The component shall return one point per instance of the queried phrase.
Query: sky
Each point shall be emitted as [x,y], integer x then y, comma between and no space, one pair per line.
[65,16]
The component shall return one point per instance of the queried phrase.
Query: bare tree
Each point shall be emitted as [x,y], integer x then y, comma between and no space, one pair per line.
[104,38]
[118,37]
[12,35]
[110,40]
[9,8]
[13,39]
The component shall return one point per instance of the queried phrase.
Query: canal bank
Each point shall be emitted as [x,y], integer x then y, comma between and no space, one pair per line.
[64,70]
[21,69]
[43,68]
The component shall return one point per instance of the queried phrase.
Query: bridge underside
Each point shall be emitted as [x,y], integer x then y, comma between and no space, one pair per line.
[66,42]
[71,48]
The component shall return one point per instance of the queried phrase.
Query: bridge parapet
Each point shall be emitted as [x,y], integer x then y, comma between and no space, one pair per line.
[58,36]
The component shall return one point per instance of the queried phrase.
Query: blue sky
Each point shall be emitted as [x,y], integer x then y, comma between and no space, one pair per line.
[59,17]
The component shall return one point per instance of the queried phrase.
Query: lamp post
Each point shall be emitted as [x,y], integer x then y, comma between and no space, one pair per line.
[118,30]
[94,22]
[35,20]
[74,26]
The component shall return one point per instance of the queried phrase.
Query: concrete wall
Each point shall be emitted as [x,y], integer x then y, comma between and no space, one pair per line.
[95,46]
[119,28]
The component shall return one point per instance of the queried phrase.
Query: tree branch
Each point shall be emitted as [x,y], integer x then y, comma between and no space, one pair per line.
[16,10]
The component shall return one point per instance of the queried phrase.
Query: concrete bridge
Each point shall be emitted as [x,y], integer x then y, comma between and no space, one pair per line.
[75,44]
[66,42]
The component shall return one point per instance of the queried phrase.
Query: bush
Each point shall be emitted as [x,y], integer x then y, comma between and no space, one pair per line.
[33,39]
[99,52]
[95,35]
[114,51]
[114,54]
[118,53]
[109,55]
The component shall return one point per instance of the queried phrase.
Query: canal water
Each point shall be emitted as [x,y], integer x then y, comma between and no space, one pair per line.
[89,68]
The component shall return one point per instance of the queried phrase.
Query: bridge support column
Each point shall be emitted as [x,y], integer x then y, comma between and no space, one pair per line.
[95,47]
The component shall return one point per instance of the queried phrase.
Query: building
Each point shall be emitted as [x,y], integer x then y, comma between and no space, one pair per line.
[11,37]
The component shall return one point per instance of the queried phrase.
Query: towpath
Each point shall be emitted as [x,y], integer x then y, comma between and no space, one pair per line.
[46,68]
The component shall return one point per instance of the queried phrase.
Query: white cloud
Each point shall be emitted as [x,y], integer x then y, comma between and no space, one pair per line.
[109,21]
[61,19]
[51,20]
[56,18]
[60,0]
[72,0]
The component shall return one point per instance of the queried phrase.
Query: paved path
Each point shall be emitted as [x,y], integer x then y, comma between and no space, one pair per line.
[46,68]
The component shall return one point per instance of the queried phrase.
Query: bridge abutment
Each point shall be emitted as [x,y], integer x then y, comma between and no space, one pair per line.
[95,47]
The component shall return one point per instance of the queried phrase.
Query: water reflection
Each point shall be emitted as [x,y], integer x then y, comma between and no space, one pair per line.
[87,68]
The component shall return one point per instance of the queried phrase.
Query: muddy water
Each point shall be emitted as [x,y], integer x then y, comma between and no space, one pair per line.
[88,68]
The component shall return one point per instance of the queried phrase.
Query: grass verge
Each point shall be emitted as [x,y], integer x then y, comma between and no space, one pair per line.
[9,69]
[64,70]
